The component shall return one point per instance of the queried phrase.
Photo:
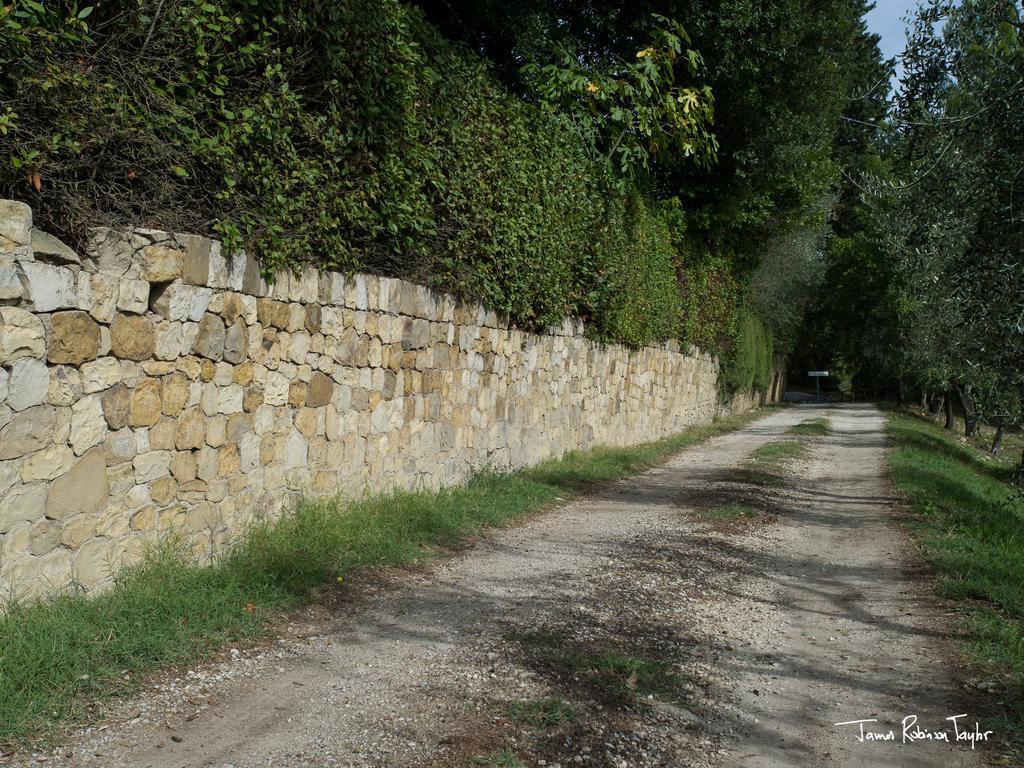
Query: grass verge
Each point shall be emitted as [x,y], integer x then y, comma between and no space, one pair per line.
[812,427]
[970,525]
[61,658]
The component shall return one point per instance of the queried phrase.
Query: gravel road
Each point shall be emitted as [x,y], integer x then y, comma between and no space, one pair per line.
[626,628]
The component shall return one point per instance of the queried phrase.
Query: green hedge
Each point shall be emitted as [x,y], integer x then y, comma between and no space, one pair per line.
[750,365]
[350,134]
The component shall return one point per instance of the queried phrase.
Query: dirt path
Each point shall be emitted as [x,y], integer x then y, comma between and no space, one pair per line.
[620,630]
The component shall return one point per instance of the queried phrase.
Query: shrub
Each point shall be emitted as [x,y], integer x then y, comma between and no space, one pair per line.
[350,134]
[750,365]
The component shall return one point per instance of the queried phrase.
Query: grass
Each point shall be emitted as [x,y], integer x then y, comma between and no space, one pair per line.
[608,674]
[731,512]
[62,657]
[970,526]
[811,427]
[766,464]
[542,713]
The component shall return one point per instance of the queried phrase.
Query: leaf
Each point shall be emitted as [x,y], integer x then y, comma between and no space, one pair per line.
[85,13]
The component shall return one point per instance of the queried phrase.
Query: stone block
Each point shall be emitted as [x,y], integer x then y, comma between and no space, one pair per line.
[88,425]
[196,264]
[12,279]
[133,296]
[94,564]
[46,247]
[101,374]
[47,464]
[64,386]
[116,404]
[209,341]
[15,226]
[235,342]
[332,288]
[167,340]
[21,335]
[44,537]
[190,430]
[144,409]
[29,383]
[74,338]
[174,393]
[23,503]
[180,302]
[98,294]
[320,390]
[132,337]
[306,288]
[161,435]
[28,431]
[83,490]
[50,287]
[160,263]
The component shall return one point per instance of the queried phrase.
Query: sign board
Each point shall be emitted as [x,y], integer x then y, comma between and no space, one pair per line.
[815,374]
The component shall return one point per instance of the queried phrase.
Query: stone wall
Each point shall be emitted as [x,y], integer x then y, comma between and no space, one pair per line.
[149,384]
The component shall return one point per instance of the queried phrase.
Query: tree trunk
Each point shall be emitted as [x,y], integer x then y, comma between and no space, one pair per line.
[970,417]
[947,404]
[900,394]
[924,400]
[935,405]
[996,440]
[1019,475]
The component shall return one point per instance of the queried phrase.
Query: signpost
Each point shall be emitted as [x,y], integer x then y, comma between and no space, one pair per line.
[817,376]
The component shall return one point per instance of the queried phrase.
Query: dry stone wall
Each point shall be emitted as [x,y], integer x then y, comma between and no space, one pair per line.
[150,384]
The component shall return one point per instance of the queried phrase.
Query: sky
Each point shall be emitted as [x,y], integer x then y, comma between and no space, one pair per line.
[886,19]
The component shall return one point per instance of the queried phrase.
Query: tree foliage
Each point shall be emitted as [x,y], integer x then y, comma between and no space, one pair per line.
[931,269]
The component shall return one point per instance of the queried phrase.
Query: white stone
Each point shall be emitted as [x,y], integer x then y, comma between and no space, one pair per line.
[65,385]
[12,286]
[229,399]
[296,449]
[49,248]
[308,285]
[121,446]
[15,225]
[168,345]
[332,288]
[218,277]
[23,503]
[178,301]
[47,464]
[97,295]
[248,451]
[100,374]
[10,473]
[151,466]
[50,287]
[21,335]
[29,383]
[88,427]
[275,391]
[133,296]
